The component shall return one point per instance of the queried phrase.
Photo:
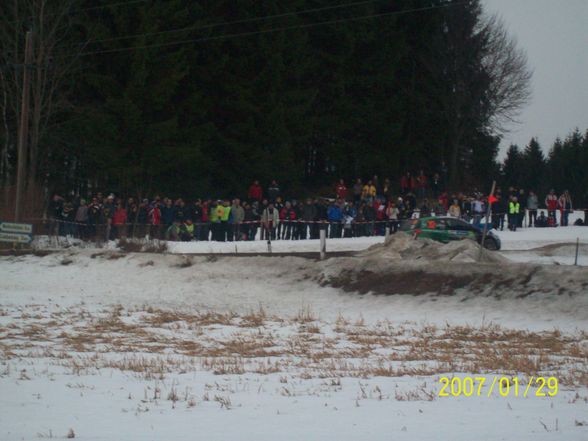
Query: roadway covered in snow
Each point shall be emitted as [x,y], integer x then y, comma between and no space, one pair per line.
[109,345]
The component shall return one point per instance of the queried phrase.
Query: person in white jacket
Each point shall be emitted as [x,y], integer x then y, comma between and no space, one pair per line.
[270,219]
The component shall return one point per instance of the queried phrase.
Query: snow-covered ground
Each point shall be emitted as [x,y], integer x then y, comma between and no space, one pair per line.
[162,346]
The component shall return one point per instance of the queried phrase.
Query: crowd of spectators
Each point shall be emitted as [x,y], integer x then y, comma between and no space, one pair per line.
[363,208]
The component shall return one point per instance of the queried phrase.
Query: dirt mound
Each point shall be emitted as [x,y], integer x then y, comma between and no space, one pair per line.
[403,247]
[403,265]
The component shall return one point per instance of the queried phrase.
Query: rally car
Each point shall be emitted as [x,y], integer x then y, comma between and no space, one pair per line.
[445,229]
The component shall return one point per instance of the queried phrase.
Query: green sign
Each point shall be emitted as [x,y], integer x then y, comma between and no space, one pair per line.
[15,237]
[16,232]
[12,227]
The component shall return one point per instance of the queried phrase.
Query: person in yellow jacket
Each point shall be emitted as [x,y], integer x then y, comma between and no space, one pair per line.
[187,231]
[369,192]
[214,220]
[224,212]
[514,208]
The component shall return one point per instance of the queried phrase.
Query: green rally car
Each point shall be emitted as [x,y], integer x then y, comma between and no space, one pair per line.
[445,229]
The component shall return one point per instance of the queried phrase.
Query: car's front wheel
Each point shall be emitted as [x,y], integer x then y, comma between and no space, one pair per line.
[491,244]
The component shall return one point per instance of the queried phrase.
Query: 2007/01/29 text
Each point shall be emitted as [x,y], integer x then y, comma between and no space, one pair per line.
[504,386]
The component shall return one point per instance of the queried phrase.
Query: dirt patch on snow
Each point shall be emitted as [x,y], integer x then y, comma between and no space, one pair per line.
[406,266]
[561,249]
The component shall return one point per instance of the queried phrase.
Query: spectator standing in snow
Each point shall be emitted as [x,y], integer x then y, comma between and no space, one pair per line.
[287,217]
[273,191]
[107,214]
[357,191]
[155,220]
[499,209]
[425,210]
[565,207]
[532,207]
[237,216]
[436,186]
[421,185]
[455,209]
[407,183]
[478,210]
[167,213]
[551,202]
[94,217]
[349,215]
[513,212]
[255,192]
[270,219]
[341,190]
[119,222]
[335,216]
[392,213]
[368,192]
[521,217]
[54,213]
[82,220]
[387,190]
[440,209]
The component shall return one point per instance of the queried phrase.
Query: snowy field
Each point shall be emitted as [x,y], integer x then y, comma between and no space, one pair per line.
[104,345]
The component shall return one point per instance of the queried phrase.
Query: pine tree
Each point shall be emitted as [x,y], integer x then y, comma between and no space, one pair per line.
[512,168]
[534,176]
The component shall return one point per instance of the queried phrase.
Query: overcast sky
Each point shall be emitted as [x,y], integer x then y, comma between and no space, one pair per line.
[555,35]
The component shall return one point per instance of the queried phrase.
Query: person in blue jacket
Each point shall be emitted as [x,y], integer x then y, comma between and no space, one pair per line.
[335,216]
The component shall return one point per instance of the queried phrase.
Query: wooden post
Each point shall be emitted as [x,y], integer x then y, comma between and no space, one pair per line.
[577,249]
[323,237]
[23,130]
[485,231]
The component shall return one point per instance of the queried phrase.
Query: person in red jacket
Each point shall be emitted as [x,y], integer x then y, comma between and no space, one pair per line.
[255,192]
[422,184]
[287,218]
[407,183]
[551,202]
[119,221]
[155,220]
[341,190]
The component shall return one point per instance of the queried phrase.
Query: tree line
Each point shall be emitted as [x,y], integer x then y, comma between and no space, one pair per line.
[563,168]
[199,97]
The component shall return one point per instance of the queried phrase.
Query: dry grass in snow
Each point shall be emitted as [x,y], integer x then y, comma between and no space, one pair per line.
[152,343]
